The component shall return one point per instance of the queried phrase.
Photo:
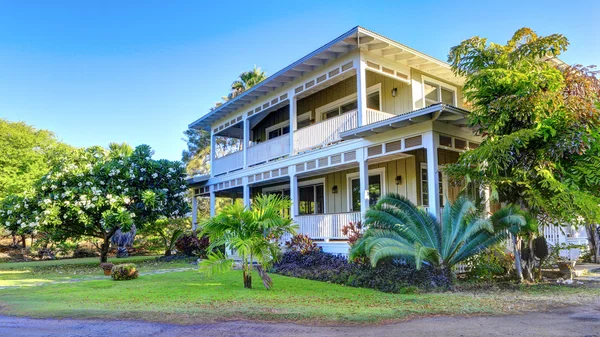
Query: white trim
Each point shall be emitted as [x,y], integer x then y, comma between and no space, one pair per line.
[441,85]
[347,99]
[312,182]
[444,190]
[354,175]
[275,127]
[372,89]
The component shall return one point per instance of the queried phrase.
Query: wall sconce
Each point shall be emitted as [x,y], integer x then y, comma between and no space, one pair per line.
[398,180]
[394,92]
[334,189]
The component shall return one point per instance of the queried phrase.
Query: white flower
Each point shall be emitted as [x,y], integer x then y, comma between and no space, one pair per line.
[7,223]
[142,170]
[133,215]
[118,187]
[53,187]
[101,182]
[126,200]
[154,175]
[88,183]
[121,162]
[141,178]
[80,184]
[64,183]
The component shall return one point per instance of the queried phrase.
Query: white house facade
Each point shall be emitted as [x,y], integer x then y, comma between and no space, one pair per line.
[357,118]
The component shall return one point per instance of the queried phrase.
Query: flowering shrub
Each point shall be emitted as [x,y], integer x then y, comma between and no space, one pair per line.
[124,272]
[302,243]
[388,276]
[353,231]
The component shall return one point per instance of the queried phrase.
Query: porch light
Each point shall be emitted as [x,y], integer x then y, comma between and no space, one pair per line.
[398,180]
[394,92]
[334,189]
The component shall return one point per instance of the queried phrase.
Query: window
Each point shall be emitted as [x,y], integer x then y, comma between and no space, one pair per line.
[278,130]
[425,189]
[349,103]
[303,120]
[438,92]
[376,188]
[312,199]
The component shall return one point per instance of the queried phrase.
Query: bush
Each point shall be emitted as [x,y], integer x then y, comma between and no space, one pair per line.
[191,245]
[389,276]
[302,244]
[489,265]
[123,272]
[106,266]
[353,231]
[84,252]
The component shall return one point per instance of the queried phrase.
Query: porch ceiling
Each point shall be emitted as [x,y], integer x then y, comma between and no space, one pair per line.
[357,37]
[437,112]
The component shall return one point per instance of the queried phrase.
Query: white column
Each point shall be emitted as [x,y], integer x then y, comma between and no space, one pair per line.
[246,192]
[363,175]
[433,181]
[293,119]
[294,195]
[213,201]
[194,212]
[212,152]
[361,90]
[246,140]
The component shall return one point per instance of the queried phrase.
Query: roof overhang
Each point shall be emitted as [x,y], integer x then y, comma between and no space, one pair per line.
[437,112]
[357,37]
[198,180]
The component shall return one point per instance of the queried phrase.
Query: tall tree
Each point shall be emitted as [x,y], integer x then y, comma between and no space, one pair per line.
[245,81]
[540,123]
[27,154]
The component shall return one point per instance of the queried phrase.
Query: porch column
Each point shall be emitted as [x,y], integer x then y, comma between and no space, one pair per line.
[194,212]
[293,119]
[361,90]
[246,192]
[363,174]
[294,191]
[246,140]
[212,152]
[433,181]
[213,201]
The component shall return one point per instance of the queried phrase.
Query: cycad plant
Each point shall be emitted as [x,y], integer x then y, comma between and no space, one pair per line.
[399,229]
[252,233]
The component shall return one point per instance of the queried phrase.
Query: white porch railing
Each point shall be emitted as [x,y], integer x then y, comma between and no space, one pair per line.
[325,226]
[325,132]
[373,116]
[269,150]
[231,162]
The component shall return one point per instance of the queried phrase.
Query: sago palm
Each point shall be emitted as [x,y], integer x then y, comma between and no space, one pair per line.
[252,233]
[399,229]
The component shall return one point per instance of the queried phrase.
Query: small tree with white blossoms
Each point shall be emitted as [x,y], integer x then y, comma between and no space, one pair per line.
[101,191]
[19,214]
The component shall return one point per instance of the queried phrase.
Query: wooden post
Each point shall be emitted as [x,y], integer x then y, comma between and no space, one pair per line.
[433,181]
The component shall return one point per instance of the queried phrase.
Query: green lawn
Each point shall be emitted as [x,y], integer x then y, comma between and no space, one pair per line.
[186,297]
[36,272]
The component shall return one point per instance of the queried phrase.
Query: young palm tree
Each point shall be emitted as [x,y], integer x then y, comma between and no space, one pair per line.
[252,233]
[397,228]
[245,81]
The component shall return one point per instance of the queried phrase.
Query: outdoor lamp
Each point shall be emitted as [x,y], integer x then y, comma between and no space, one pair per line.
[334,189]
[398,180]
[394,92]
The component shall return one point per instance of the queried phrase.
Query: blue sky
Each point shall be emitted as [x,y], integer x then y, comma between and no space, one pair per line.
[141,71]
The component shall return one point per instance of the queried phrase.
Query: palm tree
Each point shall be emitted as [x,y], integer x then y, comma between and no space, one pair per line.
[398,228]
[245,81]
[253,233]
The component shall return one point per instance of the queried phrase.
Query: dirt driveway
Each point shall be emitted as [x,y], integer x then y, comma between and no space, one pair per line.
[570,322]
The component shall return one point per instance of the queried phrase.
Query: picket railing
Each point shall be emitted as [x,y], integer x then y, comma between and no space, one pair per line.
[373,116]
[325,132]
[231,162]
[325,226]
[269,150]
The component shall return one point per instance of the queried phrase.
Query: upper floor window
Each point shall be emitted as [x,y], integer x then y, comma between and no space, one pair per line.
[438,92]
[278,130]
[349,103]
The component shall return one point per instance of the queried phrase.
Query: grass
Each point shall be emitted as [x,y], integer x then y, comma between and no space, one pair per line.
[186,297]
[18,274]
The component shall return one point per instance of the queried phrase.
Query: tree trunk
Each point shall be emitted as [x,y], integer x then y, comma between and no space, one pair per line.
[104,249]
[247,279]
[168,252]
[23,241]
[518,266]
[14,240]
[593,240]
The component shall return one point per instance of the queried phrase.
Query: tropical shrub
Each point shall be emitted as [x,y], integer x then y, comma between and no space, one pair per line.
[353,231]
[398,229]
[81,252]
[490,264]
[302,243]
[192,245]
[124,272]
[388,276]
[252,233]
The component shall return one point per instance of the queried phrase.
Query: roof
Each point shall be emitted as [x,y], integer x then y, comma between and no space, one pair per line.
[357,37]
[440,112]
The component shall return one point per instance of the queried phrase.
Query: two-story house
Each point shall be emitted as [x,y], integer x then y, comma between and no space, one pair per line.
[357,118]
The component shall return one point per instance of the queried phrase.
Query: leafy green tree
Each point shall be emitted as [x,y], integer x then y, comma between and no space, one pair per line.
[252,233]
[101,191]
[27,154]
[539,120]
[399,229]
[167,231]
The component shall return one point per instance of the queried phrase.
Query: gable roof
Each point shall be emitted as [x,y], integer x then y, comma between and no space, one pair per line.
[357,37]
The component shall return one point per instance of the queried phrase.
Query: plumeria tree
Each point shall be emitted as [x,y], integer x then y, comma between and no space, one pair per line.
[19,214]
[102,191]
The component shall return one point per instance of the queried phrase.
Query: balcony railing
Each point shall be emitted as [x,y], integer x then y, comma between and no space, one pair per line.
[231,162]
[325,132]
[373,116]
[325,226]
[269,150]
